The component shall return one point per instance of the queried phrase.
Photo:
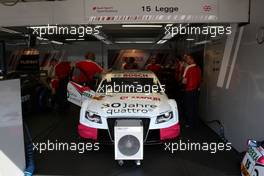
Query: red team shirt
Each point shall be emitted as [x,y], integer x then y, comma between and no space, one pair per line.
[90,68]
[62,70]
[193,77]
[154,67]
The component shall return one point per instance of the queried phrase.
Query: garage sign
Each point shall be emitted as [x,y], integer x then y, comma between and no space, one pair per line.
[142,11]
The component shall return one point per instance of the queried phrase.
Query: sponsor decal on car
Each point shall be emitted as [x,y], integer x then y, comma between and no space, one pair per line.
[98,97]
[253,154]
[131,75]
[140,98]
[117,108]
[87,94]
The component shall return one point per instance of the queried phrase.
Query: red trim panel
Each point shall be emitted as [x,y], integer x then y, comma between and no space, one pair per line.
[80,88]
[261,160]
[170,133]
[87,132]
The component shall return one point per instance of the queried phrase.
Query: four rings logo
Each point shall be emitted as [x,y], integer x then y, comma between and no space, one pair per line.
[207,8]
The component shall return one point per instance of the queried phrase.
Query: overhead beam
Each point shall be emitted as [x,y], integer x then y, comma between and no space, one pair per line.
[116,11]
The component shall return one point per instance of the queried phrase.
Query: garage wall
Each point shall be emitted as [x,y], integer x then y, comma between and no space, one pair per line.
[12,152]
[238,106]
[77,50]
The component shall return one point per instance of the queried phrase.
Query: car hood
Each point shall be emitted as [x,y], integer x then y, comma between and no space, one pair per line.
[129,105]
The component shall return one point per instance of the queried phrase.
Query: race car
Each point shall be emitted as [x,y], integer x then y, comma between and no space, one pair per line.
[125,95]
[253,161]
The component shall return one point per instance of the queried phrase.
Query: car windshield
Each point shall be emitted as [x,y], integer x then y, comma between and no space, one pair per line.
[129,85]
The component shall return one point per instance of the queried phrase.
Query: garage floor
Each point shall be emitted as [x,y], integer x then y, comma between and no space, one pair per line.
[62,127]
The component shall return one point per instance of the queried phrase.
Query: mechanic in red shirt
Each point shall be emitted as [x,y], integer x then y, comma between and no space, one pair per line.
[130,64]
[191,80]
[61,71]
[59,84]
[89,67]
[153,66]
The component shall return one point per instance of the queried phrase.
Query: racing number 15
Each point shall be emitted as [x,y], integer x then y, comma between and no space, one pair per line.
[146,8]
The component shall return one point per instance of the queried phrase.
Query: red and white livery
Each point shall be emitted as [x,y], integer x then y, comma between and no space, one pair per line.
[125,95]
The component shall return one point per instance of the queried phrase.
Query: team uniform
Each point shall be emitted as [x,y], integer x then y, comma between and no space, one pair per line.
[90,69]
[156,68]
[192,77]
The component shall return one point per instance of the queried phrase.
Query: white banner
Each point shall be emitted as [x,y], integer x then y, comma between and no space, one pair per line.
[154,11]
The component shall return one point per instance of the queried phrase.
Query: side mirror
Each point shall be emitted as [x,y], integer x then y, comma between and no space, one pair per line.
[252,143]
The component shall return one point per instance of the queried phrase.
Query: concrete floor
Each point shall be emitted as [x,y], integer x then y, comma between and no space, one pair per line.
[62,127]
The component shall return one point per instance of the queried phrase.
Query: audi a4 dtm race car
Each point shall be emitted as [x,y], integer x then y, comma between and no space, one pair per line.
[125,95]
[253,162]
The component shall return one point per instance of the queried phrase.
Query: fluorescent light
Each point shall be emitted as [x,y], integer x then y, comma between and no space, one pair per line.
[123,41]
[99,37]
[40,38]
[202,42]
[40,27]
[73,39]
[169,25]
[167,36]
[15,44]
[144,42]
[139,42]
[161,41]
[107,42]
[9,30]
[140,26]
[70,39]
[189,39]
[56,42]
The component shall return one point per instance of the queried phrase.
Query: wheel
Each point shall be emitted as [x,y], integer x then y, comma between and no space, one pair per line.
[120,162]
[45,100]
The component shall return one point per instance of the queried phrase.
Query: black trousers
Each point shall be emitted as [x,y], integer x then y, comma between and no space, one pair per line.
[190,107]
[61,93]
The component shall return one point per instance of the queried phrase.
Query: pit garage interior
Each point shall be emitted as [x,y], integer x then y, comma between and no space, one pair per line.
[231,94]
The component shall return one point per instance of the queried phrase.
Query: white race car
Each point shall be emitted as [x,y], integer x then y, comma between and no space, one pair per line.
[253,162]
[125,95]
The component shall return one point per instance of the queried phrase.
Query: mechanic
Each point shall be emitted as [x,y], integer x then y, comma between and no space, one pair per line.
[153,66]
[90,68]
[51,69]
[179,69]
[130,64]
[191,81]
[59,83]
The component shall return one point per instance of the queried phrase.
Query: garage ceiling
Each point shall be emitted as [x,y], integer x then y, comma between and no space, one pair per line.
[111,32]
